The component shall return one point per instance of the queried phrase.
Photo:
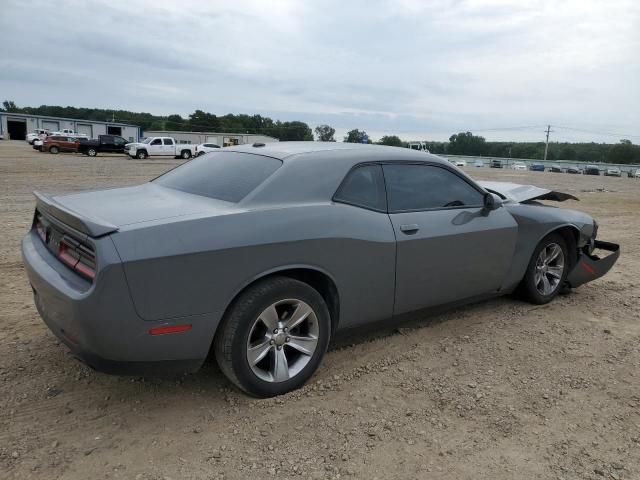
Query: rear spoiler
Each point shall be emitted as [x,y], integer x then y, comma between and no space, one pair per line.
[89,226]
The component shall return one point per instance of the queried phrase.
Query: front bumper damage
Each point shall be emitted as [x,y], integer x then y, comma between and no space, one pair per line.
[590,266]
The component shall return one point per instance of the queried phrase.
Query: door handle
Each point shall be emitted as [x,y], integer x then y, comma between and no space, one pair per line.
[409,229]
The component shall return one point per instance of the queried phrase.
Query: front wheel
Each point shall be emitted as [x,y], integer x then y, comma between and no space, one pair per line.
[141,155]
[547,270]
[273,337]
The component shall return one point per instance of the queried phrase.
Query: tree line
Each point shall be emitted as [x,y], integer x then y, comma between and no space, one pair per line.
[463,143]
[466,143]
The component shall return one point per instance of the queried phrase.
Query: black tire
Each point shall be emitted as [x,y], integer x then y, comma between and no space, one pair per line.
[185,154]
[92,152]
[141,155]
[54,150]
[528,288]
[200,154]
[230,343]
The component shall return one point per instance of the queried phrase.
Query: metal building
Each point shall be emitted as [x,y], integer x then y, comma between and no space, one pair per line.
[222,139]
[15,126]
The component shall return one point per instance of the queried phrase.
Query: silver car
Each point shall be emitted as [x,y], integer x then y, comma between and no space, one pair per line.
[261,253]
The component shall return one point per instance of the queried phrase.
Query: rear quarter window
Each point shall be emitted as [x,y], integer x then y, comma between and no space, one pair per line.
[222,175]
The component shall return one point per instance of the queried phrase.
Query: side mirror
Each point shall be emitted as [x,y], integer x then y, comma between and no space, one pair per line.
[491,201]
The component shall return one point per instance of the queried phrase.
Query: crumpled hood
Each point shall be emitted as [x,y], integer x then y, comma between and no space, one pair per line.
[522,193]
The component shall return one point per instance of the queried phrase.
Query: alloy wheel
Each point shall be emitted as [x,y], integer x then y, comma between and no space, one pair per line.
[282,340]
[549,269]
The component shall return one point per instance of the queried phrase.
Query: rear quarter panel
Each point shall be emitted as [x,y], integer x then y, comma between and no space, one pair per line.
[197,266]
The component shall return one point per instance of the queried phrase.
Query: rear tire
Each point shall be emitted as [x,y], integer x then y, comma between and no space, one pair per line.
[547,271]
[252,343]
[186,154]
[141,155]
[54,150]
[92,152]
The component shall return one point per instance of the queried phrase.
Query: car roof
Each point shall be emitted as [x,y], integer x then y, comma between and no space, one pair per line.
[358,152]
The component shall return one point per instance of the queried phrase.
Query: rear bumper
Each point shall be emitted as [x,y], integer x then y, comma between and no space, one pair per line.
[590,266]
[98,322]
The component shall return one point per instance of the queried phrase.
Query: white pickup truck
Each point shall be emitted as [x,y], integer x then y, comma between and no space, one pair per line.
[160,146]
[67,132]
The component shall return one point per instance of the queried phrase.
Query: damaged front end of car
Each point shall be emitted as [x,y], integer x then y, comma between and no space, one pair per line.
[595,257]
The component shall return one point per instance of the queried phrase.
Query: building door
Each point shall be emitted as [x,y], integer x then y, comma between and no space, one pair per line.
[51,126]
[85,129]
[114,130]
[17,129]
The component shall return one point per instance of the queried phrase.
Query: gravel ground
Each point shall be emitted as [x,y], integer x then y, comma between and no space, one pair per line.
[496,390]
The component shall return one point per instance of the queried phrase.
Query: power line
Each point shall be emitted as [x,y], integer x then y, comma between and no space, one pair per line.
[619,135]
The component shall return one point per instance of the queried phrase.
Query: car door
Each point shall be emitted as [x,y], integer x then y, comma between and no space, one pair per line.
[449,246]
[155,147]
[68,144]
[106,143]
[168,148]
[117,145]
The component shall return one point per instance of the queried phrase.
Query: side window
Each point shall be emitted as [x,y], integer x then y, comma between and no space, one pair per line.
[363,187]
[118,141]
[421,187]
[157,141]
[168,141]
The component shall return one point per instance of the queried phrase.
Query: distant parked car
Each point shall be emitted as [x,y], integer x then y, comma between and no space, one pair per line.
[612,172]
[460,163]
[104,143]
[638,173]
[536,167]
[160,146]
[206,148]
[56,144]
[479,163]
[69,133]
[518,166]
[556,169]
[496,163]
[36,134]
[574,170]
[591,170]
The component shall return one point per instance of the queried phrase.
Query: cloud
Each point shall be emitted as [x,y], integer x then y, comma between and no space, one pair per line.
[424,69]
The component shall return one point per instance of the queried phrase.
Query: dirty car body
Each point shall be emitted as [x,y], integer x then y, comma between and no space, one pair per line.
[139,278]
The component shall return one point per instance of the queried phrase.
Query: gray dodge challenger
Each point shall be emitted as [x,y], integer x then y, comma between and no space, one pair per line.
[259,254]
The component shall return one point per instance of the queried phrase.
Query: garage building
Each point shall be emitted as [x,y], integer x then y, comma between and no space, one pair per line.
[222,139]
[16,126]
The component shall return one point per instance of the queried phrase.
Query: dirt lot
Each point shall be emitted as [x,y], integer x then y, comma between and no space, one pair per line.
[496,390]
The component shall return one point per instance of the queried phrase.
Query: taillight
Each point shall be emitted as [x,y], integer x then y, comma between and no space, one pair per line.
[77,256]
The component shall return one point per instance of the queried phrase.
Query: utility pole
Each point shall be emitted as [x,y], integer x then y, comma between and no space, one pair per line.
[546,145]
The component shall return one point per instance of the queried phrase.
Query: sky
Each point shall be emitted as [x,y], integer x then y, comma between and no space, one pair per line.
[418,69]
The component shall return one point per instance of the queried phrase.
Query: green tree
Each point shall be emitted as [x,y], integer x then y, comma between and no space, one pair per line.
[357,136]
[466,143]
[10,106]
[200,121]
[176,122]
[391,140]
[624,152]
[567,153]
[325,133]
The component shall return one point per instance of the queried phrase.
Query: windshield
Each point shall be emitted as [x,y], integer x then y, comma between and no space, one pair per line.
[147,140]
[227,176]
